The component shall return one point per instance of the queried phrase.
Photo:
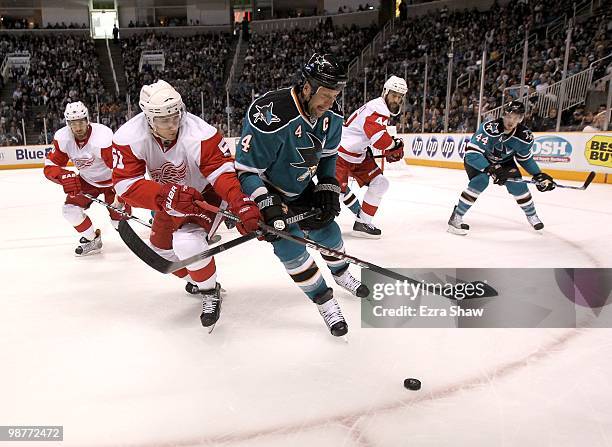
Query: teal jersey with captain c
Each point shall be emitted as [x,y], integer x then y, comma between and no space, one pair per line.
[490,145]
[282,148]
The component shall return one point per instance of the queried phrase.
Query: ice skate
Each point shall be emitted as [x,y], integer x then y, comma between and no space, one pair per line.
[456,225]
[191,288]
[350,283]
[365,230]
[89,247]
[211,307]
[535,222]
[331,313]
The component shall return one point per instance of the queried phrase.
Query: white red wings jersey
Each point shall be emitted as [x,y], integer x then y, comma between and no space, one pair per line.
[91,156]
[367,126]
[198,158]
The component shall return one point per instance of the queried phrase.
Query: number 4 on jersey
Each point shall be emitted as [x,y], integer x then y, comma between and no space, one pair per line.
[246,142]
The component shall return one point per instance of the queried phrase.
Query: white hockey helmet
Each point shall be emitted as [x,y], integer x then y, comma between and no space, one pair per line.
[76,111]
[395,84]
[160,99]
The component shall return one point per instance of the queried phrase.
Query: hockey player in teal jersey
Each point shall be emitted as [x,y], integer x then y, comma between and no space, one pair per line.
[492,152]
[289,136]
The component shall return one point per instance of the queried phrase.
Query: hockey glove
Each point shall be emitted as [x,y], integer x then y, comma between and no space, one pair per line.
[326,197]
[249,215]
[271,208]
[501,174]
[71,182]
[179,200]
[396,153]
[544,182]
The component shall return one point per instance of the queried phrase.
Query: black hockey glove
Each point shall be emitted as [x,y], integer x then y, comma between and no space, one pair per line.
[501,174]
[544,182]
[326,197]
[271,208]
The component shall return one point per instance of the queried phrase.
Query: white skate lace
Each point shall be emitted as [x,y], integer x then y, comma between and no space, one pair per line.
[347,281]
[331,313]
[87,245]
[209,304]
[534,219]
[369,227]
[456,219]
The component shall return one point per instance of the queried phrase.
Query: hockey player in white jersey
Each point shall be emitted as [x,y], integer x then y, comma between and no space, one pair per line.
[187,160]
[88,146]
[366,128]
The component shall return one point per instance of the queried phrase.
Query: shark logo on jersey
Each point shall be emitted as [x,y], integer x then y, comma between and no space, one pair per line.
[310,161]
[492,128]
[265,114]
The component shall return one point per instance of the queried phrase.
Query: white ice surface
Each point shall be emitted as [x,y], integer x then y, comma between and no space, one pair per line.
[114,351]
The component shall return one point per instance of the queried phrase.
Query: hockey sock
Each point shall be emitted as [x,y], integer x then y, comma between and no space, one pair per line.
[86,229]
[350,200]
[206,277]
[305,273]
[525,201]
[372,198]
[334,264]
[466,200]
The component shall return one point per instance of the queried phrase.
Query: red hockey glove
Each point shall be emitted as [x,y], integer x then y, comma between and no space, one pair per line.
[397,152]
[179,200]
[248,211]
[71,182]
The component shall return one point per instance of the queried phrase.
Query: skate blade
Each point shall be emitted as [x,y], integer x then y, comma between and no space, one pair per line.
[211,328]
[345,338]
[457,231]
[89,253]
[363,235]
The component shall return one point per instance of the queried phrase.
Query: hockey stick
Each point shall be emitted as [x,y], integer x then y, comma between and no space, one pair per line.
[586,184]
[488,291]
[163,265]
[115,209]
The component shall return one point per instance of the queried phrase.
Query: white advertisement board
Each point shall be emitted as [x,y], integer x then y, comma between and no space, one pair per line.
[565,151]
[23,156]
[14,157]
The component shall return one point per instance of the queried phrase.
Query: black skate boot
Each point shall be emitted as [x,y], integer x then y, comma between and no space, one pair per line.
[362,229]
[191,288]
[89,247]
[344,279]
[331,313]
[211,307]
[456,225]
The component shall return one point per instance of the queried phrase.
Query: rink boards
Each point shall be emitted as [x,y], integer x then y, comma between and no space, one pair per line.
[566,155]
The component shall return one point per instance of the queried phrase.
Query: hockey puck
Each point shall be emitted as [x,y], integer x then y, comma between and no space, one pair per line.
[412,384]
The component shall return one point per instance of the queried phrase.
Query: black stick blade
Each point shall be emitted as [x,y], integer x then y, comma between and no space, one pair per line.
[141,249]
[588,180]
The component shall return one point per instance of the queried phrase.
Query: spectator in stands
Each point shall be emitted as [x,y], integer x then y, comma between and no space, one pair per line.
[598,124]
[115,34]
[550,122]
